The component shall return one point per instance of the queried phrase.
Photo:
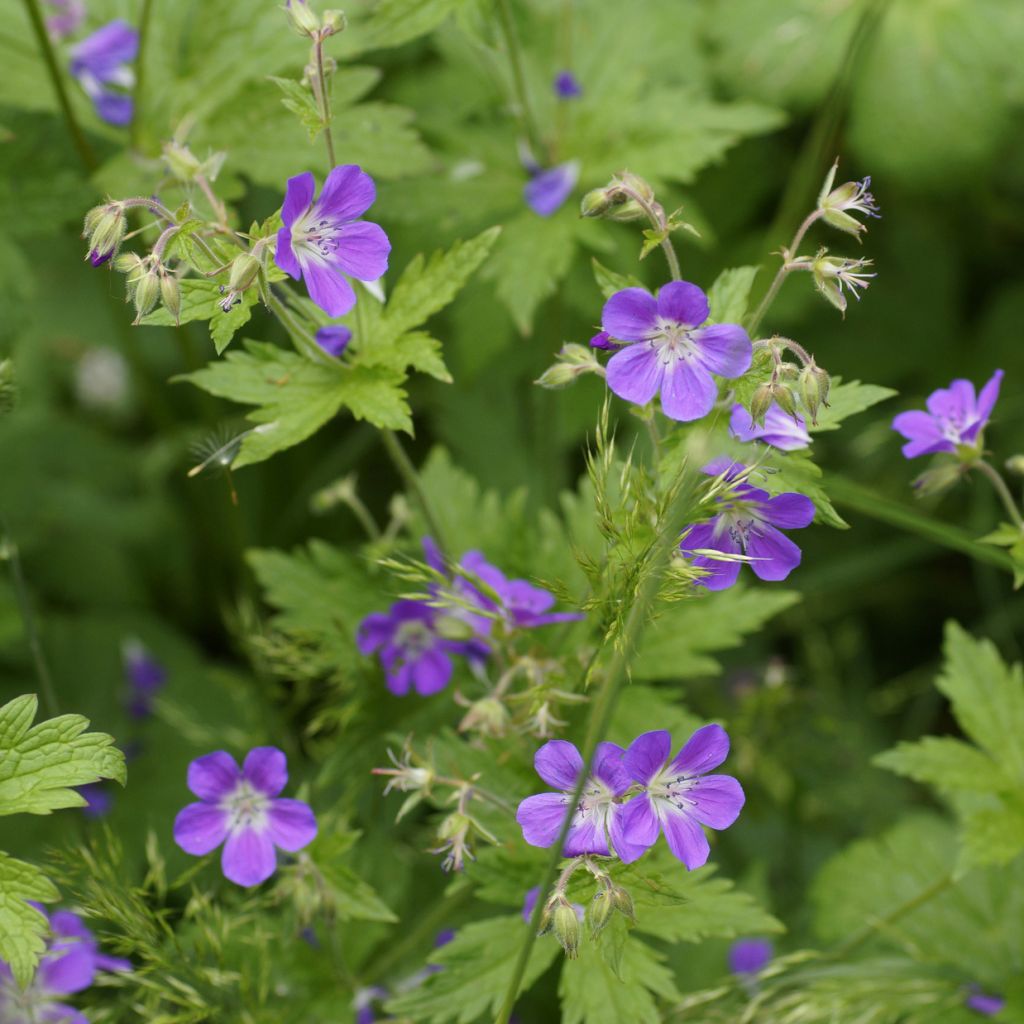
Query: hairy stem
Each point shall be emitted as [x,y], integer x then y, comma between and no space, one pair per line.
[407,471]
[85,151]
[997,481]
[140,71]
[783,272]
[515,59]
[324,99]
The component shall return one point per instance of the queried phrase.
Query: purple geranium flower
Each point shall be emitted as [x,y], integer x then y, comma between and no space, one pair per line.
[983,1003]
[955,416]
[669,351]
[749,524]
[242,810]
[602,341]
[780,430]
[322,241]
[98,800]
[144,675]
[103,60]
[413,653]
[567,86]
[547,190]
[333,339]
[69,965]
[66,19]
[597,816]
[750,956]
[678,795]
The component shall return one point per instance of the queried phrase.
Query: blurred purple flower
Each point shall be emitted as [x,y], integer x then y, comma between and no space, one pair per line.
[363,1003]
[322,240]
[98,801]
[567,86]
[547,190]
[780,430]
[242,810]
[103,60]
[750,956]
[144,675]
[669,351]
[66,19]
[333,339]
[983,1003]
[679,796]
[955,416]
[750,524]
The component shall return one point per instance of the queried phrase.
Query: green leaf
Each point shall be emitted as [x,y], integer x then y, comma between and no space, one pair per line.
[299,100]
[395,22]
[39,764]
[351,898]
[477,969]
[22,928]
[294,397]
[610,281]
[946,763]
[200,300]
[730,293]
[847,399]
[797,471]
[678,642]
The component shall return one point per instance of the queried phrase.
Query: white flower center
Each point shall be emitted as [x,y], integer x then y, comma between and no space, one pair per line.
[415,638]
[672,341]
[741,520]
[246,807]
[316,234]
[670,788]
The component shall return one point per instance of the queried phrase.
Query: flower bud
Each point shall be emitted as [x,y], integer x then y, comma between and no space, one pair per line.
[180,161]
[487,716]
[334,22]
[761,402]
[784,399]
[623,902]
[558,376]
[1015,465]
[244,271]
[105,228]
[600,911]
[940,478]
[814,385]
[130,263]
[566,926]
[170,295]
[146,292]
[302,17]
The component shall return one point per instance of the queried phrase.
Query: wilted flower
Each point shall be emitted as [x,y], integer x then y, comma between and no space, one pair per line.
[956,416]
[567,86]
[547,190]
[837,205]
[669,351]
[833,274]
[102,61]
[333,339]
[241,809]
[322,241]
[780,430]
[749,524]
[750,956]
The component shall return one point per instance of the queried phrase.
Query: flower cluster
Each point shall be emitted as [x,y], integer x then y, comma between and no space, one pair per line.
[633,795]
[242,809]
[417,639]
[69,965]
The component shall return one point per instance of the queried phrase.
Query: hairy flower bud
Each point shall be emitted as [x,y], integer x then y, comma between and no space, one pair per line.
[1015,465]
[941,478]
[619,200]
[244,271]
[784,399]
[105,228]
[600,911]
[566,926]
[334,22]
[814,385]
[170,295]
[302,17]
[573,361]
[146,291]
[623,902]
[761,402]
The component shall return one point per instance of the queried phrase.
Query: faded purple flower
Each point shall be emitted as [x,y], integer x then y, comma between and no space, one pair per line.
[69,965]
[983,1003]
[750,956]
[413,653]
[98,801]
[780,430]
[144,675]
[323,240]
[956,416]
[102,64]
[242,810]
[547,190]
[669,352]
[679,797]
[567,86]
[596,818]
[749,523]
[66,19]
[333,340]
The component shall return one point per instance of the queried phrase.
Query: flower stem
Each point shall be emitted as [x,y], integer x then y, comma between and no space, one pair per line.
[783,271]
[301,337]
[657,557]
[9,552]
[508,31]
[408,473]
[1003,491]
[324,99]
[85,151]
[140,71]
[656,215]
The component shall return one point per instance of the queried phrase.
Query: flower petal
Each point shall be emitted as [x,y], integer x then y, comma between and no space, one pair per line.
[776,556]
[363,249]
[717,799]
[115,108]
[266,768]
[213,776]
[399,681]
[541,816]
[347,194]
[200,828]
[248,857]
[60,1013]
[431,672]
[688,391]
[291,824]
[684,303]
[586,835]
[559,764]
[546,192]
[635,373]
[725,349]
[789,511]
[298,194]
[707,748]
[630,314]
[284,254]
[68,967]
[374,631]
[608,768]
[988,397]
[634,828]
[647,755]
[922,433]
[327,288]
[685,837]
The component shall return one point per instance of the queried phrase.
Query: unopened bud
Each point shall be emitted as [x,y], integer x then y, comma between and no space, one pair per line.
[170,295]
[566,926]
[761,402]
[939,479]
[784,399]
[788,371]
[105,228]
[619,199]
[558,376]
[334,22]
[600,911]
[1015,465]
[302,17]
[814,385]
[623,902]
[180,161]
[146,292]
[130,263]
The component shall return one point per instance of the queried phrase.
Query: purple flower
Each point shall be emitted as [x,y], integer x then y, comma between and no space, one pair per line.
[242,810]
[567,86]
[678,795]
[602,341]
[66,19]
[333,340]
[363,1003]
[955,416]
[748,525]
[596,817]
[669,351]
[98,800]
[749,956]
[144,675]
[103,60]
[546,191]
[983,1003]
[322,241]
[530,902]
[69,965]
[413,653]
[780,430]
